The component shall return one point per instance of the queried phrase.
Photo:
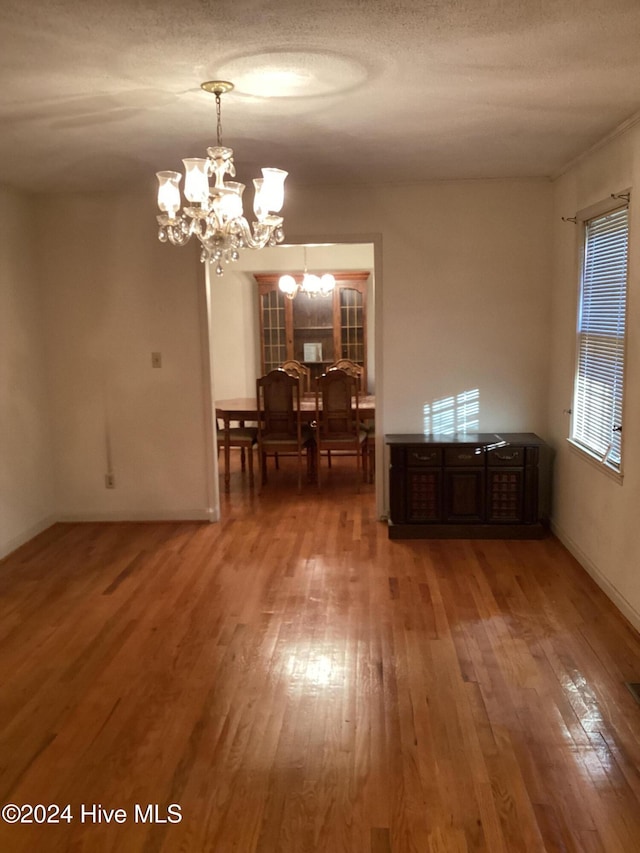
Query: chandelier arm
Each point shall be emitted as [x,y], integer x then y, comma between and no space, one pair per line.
[180,233]
[255,238]
[219,119]
[259,235]
[177,231]
[209,227]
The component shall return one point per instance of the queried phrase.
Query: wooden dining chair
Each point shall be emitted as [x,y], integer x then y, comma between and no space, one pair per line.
[280,428]
[352,368]
[301,371]
[338,425]
[243,438]
[356,370]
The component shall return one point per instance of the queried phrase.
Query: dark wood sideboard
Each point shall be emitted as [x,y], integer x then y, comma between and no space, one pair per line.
[482,485]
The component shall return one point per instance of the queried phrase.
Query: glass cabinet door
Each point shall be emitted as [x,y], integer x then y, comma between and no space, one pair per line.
[274,332]
[352,341]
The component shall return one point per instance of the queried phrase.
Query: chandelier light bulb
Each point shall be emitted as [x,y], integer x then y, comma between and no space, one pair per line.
[327,283]
[232,200]
[258,200]
[168,192]
[273,189]
[288,285]
[196,180]
[311,284]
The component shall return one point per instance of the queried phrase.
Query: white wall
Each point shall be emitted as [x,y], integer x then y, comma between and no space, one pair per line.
[233,335]
[595,516]
[114,295]
[26,473]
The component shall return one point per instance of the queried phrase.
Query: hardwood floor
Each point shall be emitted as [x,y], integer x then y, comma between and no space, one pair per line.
[294,681]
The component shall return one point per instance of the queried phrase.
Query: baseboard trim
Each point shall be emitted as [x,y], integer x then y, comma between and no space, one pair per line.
[624,606]
[18,541]
[142,515]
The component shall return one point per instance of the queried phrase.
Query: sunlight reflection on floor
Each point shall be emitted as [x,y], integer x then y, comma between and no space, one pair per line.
[319,670]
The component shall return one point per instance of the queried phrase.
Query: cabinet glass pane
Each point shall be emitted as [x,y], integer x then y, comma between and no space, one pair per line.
[351,324]
[273,325]
[312,312]
[313,331]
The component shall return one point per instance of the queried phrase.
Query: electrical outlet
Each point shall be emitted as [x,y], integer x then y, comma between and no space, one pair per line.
[156,359]
[109,481]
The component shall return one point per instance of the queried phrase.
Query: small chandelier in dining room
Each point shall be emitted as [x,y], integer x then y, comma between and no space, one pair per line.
[214,214]
[310,283]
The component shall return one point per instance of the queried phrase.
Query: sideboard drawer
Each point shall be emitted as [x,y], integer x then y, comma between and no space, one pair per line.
[419,456]
[464,456]
[512,456]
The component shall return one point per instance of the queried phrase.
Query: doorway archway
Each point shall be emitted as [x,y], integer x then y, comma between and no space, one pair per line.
[229,326]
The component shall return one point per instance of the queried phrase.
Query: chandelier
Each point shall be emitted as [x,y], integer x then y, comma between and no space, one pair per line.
[311,284]
[214,214]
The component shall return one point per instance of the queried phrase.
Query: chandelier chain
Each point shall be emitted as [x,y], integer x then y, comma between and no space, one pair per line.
[219,119]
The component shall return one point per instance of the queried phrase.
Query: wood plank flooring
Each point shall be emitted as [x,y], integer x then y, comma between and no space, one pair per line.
[294,682]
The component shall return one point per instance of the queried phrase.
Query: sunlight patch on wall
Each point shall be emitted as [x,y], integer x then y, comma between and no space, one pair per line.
[455,414]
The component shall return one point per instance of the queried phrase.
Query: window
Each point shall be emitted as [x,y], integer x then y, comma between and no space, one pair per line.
[596,424]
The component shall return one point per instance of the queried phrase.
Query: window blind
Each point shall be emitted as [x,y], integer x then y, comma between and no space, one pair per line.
[597,406]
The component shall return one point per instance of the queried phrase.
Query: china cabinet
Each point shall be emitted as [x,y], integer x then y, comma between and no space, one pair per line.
[315,330]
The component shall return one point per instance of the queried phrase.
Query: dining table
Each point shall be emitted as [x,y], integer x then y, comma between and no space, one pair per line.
[242,409]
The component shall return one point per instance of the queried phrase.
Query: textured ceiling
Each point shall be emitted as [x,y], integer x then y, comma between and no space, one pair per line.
[98,93]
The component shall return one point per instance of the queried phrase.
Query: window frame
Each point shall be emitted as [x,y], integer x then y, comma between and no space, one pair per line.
[617,202]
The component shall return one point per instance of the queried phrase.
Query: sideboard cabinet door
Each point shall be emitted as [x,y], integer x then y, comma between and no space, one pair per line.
[506,483]
[505,495]
[415,485]
[423,495]
[464,494]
